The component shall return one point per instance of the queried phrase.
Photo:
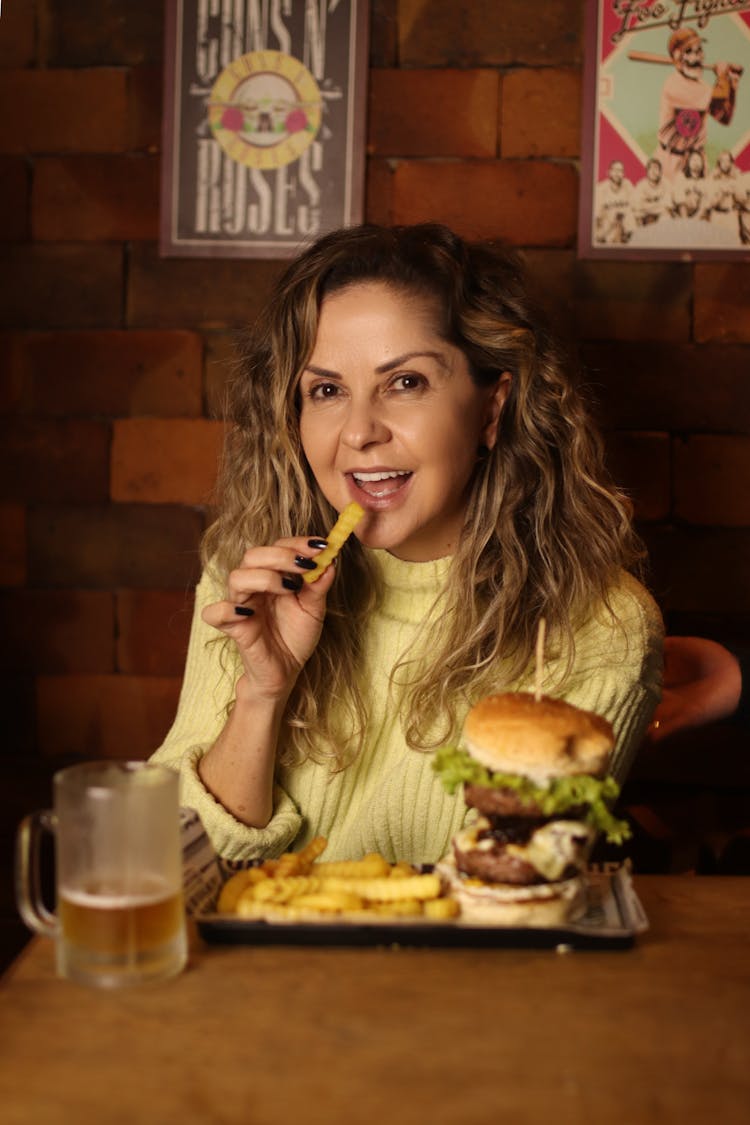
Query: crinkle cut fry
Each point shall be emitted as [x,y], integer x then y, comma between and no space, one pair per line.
[311,852]
[295,887]
[337,536]
[370,866]
[281,889]
[419,887]
[235,887]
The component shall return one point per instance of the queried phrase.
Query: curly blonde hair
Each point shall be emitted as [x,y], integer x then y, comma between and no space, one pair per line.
[546,532]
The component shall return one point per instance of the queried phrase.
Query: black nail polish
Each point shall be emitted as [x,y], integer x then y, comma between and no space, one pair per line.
[319,544]
[304,563]
[244,611]
[291,582]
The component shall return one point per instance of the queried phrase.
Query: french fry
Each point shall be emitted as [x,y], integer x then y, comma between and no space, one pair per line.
[310,853]
[420,887]
[440,909]
[235,886]
[406,908]
[402,870]
[267,911]
[280,889]
[337,536]
[371,866]
[292,912]
[288,864]
[299,887]
[329,901]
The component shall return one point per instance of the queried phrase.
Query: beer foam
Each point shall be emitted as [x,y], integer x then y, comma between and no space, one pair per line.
[147,891]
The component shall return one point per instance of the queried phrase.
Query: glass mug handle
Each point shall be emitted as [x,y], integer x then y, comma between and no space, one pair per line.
[28,880]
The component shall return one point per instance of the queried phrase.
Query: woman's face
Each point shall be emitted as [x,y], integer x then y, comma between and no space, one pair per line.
[391,417]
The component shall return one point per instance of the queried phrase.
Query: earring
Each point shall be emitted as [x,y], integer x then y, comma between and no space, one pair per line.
[483,452]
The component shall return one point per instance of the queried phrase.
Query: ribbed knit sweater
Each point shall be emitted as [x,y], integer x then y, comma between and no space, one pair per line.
[389,799]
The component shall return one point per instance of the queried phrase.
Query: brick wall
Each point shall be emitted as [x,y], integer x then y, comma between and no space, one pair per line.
[113,359]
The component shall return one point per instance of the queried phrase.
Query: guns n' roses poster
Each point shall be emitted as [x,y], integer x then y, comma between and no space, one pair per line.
[263,124]
[666,146]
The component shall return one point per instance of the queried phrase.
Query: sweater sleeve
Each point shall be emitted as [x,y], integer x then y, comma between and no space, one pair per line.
[211,671]
[618,668]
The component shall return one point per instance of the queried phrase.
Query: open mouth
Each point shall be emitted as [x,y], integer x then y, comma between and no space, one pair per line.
[381,484]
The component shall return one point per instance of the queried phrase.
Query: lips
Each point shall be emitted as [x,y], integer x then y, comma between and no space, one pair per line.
[380,484]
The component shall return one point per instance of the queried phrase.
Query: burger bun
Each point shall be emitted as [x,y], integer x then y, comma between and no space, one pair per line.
[541,905]
[543,738]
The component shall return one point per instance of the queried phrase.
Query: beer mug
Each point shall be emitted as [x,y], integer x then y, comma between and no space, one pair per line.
[120,918]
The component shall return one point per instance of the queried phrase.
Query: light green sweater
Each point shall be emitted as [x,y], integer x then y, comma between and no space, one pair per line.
[390,800]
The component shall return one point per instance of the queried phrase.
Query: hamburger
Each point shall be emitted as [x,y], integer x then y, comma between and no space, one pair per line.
[535,770]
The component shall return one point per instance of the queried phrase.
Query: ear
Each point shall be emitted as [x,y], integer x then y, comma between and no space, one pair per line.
[495,404]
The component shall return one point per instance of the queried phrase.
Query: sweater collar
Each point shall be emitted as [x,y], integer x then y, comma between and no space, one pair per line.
[409,588]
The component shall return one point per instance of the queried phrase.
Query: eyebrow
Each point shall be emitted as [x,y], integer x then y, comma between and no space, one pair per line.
[383,368]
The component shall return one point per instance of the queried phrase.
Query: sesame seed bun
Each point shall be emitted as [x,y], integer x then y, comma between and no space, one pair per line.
[539,739]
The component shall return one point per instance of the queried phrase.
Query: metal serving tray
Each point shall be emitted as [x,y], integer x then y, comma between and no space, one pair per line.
[613,919]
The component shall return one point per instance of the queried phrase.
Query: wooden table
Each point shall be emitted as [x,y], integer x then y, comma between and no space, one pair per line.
[658,1033]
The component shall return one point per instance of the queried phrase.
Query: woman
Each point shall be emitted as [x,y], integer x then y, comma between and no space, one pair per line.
[405,369]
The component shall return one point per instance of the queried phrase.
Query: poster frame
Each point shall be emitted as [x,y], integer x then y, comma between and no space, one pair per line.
[343,148]
[615,86]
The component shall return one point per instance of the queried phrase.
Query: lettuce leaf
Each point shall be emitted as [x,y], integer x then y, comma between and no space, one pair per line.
[456,767]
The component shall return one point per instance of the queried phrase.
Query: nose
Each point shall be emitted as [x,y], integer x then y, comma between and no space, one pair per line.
[365,424]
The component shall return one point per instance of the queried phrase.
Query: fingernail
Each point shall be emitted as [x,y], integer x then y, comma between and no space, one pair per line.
[244,611]
[291,581]
[304,563]
[318,544]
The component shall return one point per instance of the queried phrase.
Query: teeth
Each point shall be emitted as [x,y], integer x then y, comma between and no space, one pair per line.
[367,477]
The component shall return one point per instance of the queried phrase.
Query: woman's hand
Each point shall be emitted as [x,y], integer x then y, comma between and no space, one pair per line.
[280,616]
[276,630]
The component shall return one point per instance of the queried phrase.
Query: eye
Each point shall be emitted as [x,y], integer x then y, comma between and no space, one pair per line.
[323,391]
[409,381]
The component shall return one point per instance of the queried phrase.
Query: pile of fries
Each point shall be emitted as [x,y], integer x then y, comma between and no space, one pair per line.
[298,887]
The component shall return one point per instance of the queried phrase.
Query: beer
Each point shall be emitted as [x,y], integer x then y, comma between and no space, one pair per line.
[108,933]
[120,915]
[110,920]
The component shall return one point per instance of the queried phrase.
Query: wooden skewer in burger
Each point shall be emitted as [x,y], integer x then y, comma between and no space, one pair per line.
[535,769]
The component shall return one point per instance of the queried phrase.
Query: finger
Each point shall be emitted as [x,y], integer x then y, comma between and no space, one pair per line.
[237,608]
[308,545]
[243,583]
[313,592]
[244,611]
[282,555]
[255,574]
[311,599]
[327,577]
[227,615]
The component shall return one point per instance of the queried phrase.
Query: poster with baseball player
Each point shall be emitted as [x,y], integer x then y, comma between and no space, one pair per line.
[665,168]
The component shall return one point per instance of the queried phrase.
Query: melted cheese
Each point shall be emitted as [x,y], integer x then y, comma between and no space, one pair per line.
[467,841]
[551,849]
[555,846]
